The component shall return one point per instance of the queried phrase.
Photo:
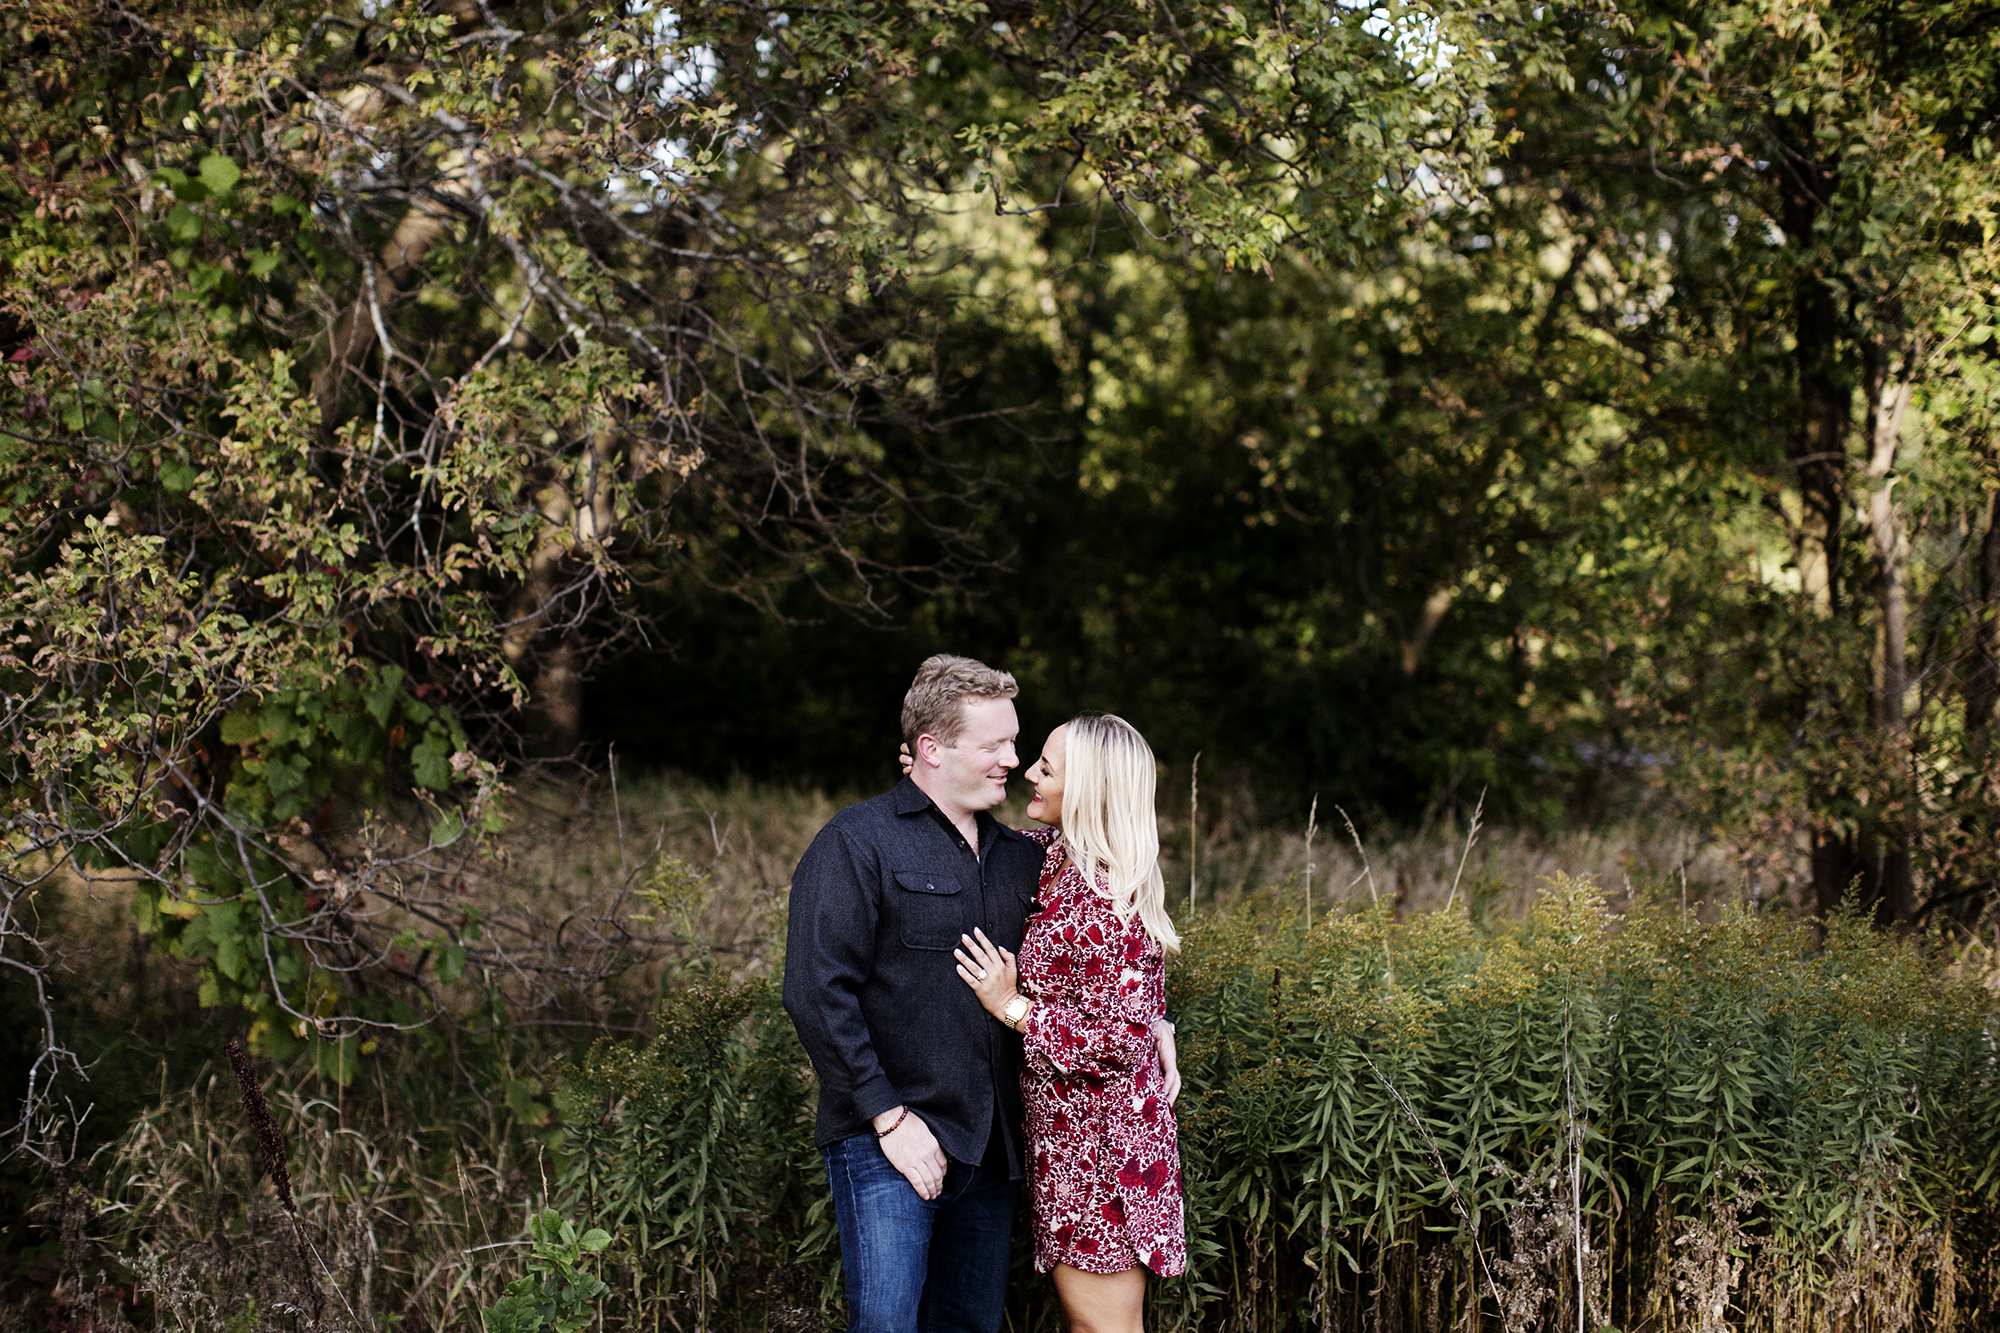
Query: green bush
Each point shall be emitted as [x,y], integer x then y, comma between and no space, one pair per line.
[1668,1123]
[557,1294]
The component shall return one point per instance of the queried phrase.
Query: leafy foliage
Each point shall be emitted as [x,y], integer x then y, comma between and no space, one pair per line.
[556,1294]
[694,1146]
[1636,475]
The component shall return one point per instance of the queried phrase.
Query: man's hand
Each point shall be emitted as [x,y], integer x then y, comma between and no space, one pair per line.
[913,1150]
[1170,1069]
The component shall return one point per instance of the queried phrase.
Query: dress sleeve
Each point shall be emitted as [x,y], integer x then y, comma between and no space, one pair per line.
[1109,1029]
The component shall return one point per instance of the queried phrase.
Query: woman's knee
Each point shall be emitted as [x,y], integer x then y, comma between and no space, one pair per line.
[1102,1302]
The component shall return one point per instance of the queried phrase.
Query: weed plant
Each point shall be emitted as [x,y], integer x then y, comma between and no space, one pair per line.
[1573,1121]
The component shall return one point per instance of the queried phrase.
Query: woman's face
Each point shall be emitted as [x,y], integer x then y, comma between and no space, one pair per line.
[1046,776]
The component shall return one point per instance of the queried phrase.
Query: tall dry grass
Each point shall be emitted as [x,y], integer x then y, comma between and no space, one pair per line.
[565,845]
[414,1197]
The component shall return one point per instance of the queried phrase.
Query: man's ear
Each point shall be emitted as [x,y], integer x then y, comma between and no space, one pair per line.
[928,750]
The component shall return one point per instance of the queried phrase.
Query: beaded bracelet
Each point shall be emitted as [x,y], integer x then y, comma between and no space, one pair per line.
[885,1133]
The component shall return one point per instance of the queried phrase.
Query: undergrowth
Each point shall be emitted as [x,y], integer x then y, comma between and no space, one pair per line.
[1571,1120]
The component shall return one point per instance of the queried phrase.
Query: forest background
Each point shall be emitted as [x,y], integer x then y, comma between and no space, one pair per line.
[416,415]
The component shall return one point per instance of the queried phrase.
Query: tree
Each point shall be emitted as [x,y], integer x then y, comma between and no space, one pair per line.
[362,359]
[1851,148]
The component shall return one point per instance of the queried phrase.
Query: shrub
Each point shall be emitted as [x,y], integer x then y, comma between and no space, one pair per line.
[1650,1121]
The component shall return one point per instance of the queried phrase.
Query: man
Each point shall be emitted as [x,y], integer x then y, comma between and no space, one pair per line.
[920,1104]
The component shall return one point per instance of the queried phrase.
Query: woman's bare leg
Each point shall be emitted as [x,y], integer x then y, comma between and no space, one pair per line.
[1102,1302]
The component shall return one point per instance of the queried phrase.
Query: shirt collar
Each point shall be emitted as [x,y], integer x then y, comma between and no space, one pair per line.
[910,799]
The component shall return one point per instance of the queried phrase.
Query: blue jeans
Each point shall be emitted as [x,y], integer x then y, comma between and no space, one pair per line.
[918,1265]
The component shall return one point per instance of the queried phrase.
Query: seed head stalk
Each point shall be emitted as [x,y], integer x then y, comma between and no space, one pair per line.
[271,1150]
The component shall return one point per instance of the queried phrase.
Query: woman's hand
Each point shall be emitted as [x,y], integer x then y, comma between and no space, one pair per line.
[989,969]
[1170,1068]
[903,758]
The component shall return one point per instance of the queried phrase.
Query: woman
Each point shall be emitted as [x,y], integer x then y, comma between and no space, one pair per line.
[1088,995]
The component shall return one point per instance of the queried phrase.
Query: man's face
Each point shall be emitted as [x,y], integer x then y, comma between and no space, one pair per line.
[973,772]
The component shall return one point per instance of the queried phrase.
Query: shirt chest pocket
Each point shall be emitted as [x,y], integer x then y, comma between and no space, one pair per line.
[931,909]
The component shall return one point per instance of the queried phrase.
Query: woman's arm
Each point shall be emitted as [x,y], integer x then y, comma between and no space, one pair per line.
[1110,1028]
[1110,1031]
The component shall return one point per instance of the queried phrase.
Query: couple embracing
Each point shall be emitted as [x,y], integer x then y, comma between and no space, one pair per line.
[984,1005]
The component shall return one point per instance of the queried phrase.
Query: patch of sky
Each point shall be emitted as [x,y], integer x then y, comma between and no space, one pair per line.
[667,72]
[671,71]
[1416,36]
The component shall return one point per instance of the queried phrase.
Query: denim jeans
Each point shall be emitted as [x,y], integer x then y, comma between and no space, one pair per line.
[917,1265]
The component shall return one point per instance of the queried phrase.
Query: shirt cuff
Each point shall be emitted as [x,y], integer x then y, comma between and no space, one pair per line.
[875,1096]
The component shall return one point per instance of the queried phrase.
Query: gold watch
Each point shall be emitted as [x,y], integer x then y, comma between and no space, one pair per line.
[1016,1012]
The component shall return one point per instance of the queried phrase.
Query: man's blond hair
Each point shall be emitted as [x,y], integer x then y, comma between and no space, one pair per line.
[931,708]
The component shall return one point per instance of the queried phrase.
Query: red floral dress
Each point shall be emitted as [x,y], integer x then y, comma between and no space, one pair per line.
[1105,1163]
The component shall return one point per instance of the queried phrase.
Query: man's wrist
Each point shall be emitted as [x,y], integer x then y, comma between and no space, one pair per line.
[888,1118]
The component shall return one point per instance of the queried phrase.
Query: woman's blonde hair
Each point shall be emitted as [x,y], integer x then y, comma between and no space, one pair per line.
[1108,822]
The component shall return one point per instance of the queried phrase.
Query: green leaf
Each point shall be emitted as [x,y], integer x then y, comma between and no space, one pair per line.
[183,224]
[220,174]
[380,698]
[146,909]
[430,762]
[243,728]
[338,1060]
[595,1239]
[514,1313]
[177,476]
[447,829]
[451,963]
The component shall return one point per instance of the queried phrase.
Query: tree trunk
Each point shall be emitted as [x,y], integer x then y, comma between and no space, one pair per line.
[1818,448]
[1427,624]
[1834,869]
[365,323]
[1890,371]
[1982,679]
[544,653]
[1888,401]
[1818,454]
[1818,451]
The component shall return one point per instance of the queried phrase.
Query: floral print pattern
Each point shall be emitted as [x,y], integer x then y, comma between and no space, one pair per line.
[1104,1156]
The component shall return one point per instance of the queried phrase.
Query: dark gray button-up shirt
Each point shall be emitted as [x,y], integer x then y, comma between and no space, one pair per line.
[878,903]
